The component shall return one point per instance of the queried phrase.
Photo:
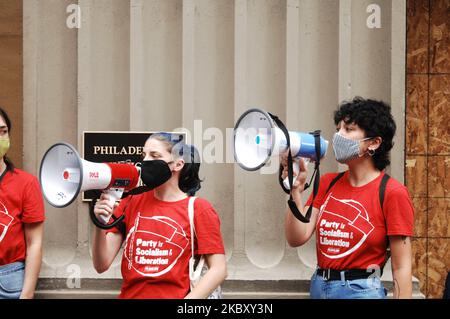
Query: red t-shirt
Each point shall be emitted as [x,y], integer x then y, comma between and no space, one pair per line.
[351,227]
[155,261]
[20,203]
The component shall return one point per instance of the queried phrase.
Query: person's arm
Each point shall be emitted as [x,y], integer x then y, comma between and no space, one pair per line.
[298,233]
[216,274]
[33,259]
[401,266]
[105,246]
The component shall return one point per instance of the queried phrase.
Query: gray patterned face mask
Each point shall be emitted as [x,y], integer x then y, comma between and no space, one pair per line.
[346,149]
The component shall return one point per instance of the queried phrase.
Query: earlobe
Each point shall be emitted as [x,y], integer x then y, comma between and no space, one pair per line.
[179,165]
[379,141]
[375,144]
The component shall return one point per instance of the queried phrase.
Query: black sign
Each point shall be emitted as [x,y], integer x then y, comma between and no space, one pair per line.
[115,147]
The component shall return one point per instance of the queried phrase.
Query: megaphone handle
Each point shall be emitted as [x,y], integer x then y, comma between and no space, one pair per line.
[296,169]
[114,195]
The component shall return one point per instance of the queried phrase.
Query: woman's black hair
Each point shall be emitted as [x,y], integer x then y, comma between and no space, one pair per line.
[9,165]
[190,181]
[375,118]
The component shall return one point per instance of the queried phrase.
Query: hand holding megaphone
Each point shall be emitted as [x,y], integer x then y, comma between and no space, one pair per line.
[258,135]
[300,172]
[105,206]
[64,174]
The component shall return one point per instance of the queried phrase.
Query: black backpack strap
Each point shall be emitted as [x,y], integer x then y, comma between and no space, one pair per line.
[335,179]
[382,189]
[381,194]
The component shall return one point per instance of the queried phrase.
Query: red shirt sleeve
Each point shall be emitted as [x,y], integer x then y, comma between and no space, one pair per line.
[399,212]
[33,210]
[207,229]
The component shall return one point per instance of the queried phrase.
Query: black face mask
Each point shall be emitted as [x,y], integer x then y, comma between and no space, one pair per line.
[155,173]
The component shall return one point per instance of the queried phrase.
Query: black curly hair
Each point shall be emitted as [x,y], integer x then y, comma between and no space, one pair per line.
[375,118]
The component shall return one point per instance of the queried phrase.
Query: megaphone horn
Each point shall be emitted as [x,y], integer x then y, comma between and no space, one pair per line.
[64,174]
[257,138]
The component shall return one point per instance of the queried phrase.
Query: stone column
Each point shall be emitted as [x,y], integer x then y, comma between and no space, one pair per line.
[103,91]
[155,64]
[50,114]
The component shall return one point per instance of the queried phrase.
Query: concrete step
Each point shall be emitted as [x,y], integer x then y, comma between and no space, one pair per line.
[51,288]
[232,289]
[112,294]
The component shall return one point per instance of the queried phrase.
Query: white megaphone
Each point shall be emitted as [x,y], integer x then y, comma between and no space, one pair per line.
[64,174]
[257,138]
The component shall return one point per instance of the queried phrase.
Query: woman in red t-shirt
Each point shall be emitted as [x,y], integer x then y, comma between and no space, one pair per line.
[157,235]
[21,224]
[354,223]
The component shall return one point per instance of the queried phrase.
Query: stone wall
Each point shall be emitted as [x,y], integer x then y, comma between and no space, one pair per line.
[162,64]
[11,73]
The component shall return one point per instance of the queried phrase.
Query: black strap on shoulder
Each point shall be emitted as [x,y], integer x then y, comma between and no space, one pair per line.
[381,193]
[292,205]
[334,181]
[382,189]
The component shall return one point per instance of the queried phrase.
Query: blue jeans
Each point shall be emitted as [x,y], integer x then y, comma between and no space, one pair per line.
[11,280]
[368,288]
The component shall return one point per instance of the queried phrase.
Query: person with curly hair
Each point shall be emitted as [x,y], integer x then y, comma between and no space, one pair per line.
[358,215]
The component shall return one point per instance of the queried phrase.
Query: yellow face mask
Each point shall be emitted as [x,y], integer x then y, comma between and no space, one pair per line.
[4,146]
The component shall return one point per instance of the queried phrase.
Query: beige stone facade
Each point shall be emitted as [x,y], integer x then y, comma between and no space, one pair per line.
[151,65]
